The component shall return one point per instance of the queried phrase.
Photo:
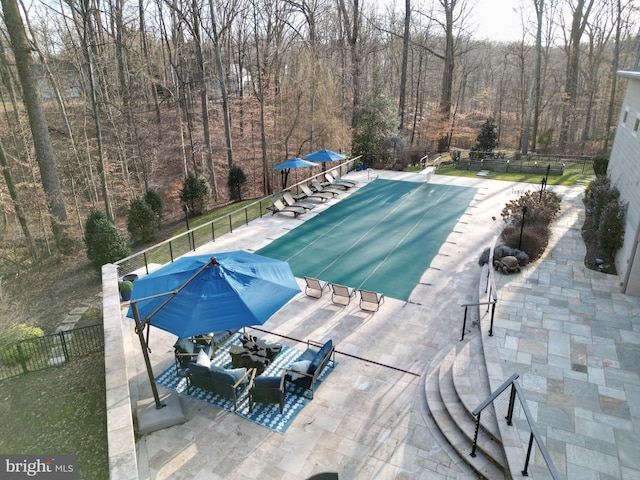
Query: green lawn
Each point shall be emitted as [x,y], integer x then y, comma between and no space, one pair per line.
[567,179]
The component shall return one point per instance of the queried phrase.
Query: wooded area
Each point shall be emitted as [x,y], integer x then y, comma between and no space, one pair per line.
[104,100]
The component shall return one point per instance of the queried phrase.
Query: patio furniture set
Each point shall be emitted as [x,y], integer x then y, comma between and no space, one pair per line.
[249,361]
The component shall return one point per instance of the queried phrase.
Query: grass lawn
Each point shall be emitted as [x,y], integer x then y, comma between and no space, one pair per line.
[567,179]
[60,410]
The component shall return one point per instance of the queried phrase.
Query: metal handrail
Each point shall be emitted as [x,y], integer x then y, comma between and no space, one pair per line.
[492,296]
[516,390]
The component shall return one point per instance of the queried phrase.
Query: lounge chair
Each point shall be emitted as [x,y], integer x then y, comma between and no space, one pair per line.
[288,199]
[319,188]
[314,287]
[345,184]
[341,294]
[370,301]
[308,193]
[267,390]
[279,207]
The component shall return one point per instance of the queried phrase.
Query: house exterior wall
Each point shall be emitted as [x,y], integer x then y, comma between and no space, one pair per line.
[624,172]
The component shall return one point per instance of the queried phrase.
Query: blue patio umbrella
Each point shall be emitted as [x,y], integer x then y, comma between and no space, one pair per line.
[295,162]
[324,155]
[207,293]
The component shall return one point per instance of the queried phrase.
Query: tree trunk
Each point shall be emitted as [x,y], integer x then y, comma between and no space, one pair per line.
[38,123]
[405,61]
[533,86]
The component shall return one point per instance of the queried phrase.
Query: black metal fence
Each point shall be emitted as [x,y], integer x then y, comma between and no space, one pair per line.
[50,350]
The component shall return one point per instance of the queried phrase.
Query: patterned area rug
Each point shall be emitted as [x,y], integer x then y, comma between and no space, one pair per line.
[265,414]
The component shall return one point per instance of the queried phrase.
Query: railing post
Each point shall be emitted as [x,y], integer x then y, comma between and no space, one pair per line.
[512,401]
[213,232]
[493,311]
[63,343]
[21,358]
[146,264]
[171,251]
[475,435]
[525,473]
[464,322]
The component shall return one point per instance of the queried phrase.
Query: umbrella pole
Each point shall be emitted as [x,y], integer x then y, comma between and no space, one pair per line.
[145,353]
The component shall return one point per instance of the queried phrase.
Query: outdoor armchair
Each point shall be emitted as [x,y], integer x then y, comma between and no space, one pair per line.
[341,294]
[370,301]
[267,390]
[314,287]
[186,351]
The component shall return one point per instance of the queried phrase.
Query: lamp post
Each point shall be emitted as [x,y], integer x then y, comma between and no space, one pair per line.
[524,212]
[543,184]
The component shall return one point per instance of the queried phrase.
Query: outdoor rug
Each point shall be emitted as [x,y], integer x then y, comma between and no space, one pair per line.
[266,414]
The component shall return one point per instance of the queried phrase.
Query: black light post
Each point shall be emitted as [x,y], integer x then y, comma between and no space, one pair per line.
[543,184]
[546,177]
[524,212]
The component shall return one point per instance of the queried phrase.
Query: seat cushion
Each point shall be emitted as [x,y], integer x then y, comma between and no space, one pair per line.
[221,375]
[317,361]
[238,373]
[267,382]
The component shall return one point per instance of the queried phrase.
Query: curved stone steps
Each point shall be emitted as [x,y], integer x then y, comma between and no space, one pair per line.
[460,442]
[472,384]
[466,422]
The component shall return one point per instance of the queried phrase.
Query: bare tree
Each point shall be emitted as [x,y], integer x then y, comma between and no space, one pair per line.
[38,123]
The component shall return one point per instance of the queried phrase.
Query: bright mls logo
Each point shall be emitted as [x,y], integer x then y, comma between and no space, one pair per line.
[54,467]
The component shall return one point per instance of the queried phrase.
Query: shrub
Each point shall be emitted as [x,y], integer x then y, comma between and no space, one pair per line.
[11,353]
[611,228]
[106,244]
[535,238]
[600,164]
[154,200]
[92,218]
[194,192]
[598,194]
[142,223]
[538,211]
[236,180]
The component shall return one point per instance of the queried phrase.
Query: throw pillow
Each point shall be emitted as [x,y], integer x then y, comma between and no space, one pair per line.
[302,366]
[203,359]
[317,361]
[184,345]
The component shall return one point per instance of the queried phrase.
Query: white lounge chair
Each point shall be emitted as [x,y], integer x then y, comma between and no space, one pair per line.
[370,301]
[341,294]
[319,188]
[340,182]
[323,197]
[279,207]
[288,199]
[314,287]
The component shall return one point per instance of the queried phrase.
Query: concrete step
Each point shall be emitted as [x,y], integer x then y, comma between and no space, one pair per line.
[472,383]
[489,444]
[460,442]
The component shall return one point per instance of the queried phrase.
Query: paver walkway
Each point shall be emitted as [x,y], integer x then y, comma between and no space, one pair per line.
[575,341]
